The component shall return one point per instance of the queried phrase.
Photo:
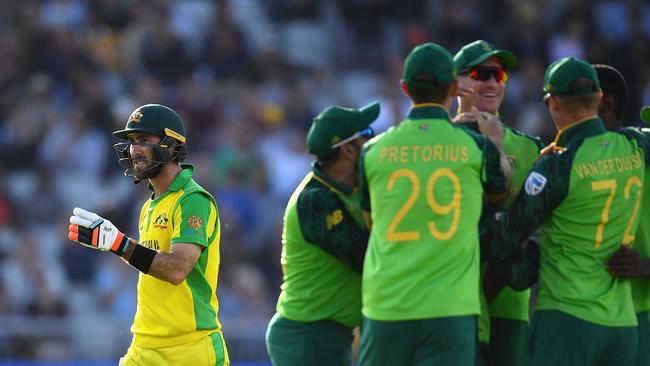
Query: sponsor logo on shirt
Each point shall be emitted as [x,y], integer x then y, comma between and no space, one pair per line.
[535,184]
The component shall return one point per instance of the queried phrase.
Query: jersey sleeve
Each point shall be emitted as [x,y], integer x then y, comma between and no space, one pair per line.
[642,137]
[545,187]
[191,218]
[327,223]
[494,180]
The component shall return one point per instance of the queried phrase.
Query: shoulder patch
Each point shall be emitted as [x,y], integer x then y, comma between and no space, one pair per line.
[535,183]
[195,222]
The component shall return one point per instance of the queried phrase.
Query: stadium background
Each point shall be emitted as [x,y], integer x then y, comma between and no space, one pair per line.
[247,76]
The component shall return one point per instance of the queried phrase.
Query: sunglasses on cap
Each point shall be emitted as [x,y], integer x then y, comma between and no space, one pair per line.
[366,132]
[484,73]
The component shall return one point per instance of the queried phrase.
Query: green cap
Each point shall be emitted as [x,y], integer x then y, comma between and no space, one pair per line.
[645,114]
[154,119]
[335,124]
[478,52]
[429,65]
[561,78]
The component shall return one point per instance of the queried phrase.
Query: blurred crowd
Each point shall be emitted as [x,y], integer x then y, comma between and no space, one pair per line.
[247,76]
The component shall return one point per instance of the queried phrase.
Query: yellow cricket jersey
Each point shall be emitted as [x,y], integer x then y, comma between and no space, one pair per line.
[169,315]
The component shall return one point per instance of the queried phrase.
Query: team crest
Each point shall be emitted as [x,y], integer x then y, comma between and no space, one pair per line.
[195,222]
[161,221]
[604,143]
[334,219]
[512,160]
[135,117]
[535,184]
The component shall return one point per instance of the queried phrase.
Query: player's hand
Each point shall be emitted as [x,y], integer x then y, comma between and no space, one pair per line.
[488,123]
[93,231]
[466,88]
[463,118]
[626,262]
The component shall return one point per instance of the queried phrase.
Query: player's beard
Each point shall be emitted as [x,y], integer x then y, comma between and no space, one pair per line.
[145,169]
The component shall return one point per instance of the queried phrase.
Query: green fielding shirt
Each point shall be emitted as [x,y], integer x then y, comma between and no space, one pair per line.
[423,182]
[641,286]
[522,151]
[323,245]
[584,198]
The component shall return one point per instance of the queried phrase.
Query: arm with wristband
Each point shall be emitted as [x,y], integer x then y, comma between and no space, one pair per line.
[93,231]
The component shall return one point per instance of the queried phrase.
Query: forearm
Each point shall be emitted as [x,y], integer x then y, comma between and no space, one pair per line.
[164,266]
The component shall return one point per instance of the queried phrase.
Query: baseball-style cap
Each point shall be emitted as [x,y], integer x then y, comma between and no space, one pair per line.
[562,78]
[154,119]
[429,65]
[645,114]
[336,124]
[479,51]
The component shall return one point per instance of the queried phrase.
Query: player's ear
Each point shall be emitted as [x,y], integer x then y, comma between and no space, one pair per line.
[349,150]
[405,88]
[552,102]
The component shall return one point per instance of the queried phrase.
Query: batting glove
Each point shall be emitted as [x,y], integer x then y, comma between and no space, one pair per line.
[93,231]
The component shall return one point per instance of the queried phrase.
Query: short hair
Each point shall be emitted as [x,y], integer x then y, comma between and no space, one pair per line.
[579,101]
[432,94]
[613,83]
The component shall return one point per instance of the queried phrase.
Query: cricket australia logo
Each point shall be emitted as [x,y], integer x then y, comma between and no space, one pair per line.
[195,222]
[535,184]
[161,221]
[135,117]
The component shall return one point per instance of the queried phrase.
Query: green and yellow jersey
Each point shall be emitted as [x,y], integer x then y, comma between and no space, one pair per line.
[641,286]
[586,197]
[423,183]
[169,315]
[521,150]
[323,244]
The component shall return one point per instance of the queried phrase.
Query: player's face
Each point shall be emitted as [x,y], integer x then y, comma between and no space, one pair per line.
[142,154]
[488,94]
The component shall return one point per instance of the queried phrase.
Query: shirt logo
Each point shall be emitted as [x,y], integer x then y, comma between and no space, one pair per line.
[535,184]
[604,143]
[195,222]
[334,219]
[161,221]
[512,160]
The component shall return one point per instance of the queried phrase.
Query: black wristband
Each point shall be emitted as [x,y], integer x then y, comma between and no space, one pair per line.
[141,258]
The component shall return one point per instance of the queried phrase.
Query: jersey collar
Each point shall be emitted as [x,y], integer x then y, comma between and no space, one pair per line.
[579,130]
[429,111]
[330,183]
[187,171]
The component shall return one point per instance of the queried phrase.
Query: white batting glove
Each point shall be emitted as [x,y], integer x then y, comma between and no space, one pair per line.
[93,231]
